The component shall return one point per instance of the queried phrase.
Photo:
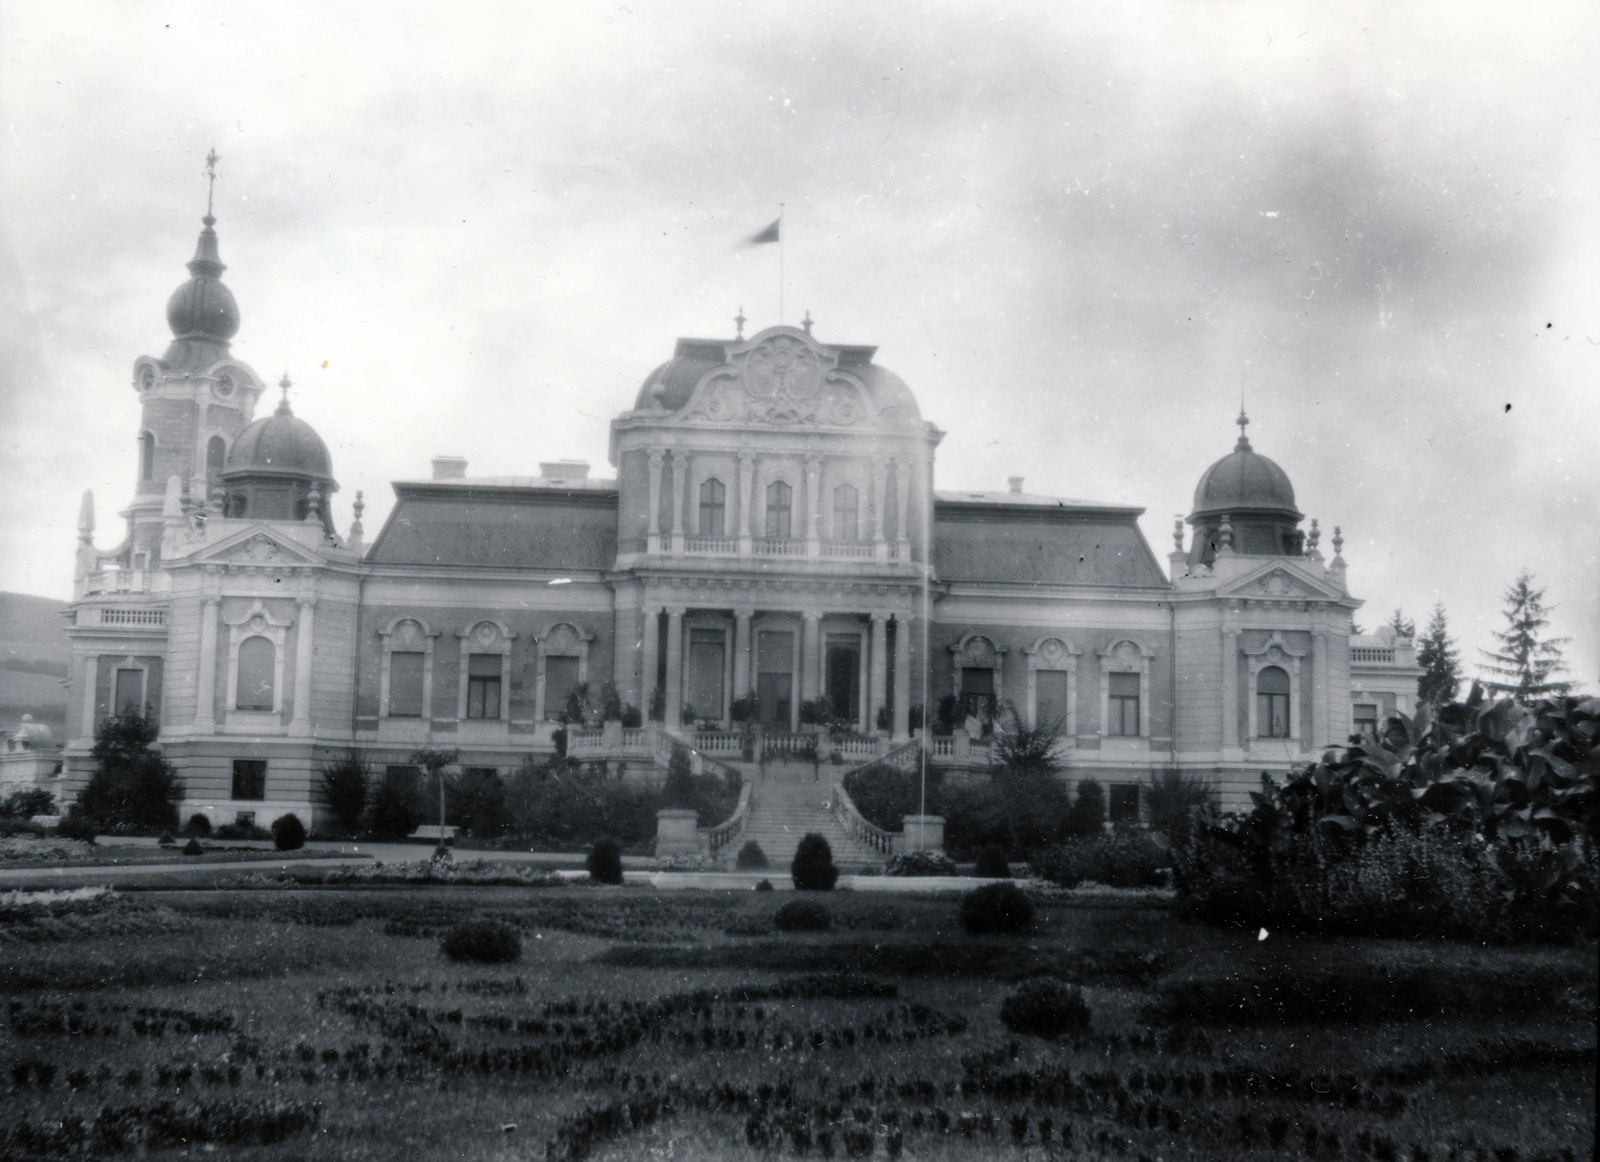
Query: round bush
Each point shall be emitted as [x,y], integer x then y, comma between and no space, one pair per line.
[605,861]
[802,916]
[77,825]
[166,840]
[992,863]
[812,868]
[1000,907]
[193,848]
[482,942]
[1045,1006]
[920,863]
[288,833]
[199,825]
[765,886]
[751,857]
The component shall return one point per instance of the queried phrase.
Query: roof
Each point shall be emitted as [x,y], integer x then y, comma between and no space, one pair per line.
[488,522]
[1032,500]
[280,444]
[1022,538]
[1244,481]
[511,482]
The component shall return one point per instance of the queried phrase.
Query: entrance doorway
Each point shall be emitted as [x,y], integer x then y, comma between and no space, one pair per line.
[775,679]
[977,696]
[707,653]
[843,684]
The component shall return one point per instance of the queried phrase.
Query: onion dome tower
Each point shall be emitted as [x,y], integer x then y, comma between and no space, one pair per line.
[1244,503]
[195,399]
[279,469]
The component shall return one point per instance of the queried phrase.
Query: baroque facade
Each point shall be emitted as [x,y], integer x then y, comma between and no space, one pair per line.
[773,529]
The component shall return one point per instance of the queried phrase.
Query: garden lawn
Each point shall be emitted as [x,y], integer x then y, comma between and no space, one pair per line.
[297,1022]
[29,852]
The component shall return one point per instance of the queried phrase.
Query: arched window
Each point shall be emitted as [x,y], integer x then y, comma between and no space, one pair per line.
[216,456]
[712,507]
[1272,703]
[846,506]
[780,509]
[256,658]
[147,456]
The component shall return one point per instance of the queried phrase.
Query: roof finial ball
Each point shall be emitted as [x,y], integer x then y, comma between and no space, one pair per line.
[739,321]
[283,404]
[1244,441]
[806,322]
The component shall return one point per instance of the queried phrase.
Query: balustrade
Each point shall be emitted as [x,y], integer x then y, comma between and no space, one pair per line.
[859,829]
[721,546]
[848,550]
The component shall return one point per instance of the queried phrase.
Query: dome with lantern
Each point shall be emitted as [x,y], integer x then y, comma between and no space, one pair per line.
[279,469]
[1246,501]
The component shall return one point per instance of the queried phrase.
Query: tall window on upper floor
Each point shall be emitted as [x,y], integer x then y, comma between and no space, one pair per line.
[128,696]
[1122,703]
[713,508]
[256,664]
[1272,703]
[483,686]
[780,510]
[216,457]
[405,683]
[846,513]
[147,456]
[1364,718]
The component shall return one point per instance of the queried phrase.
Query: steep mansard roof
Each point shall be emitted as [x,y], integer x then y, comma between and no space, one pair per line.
[1027,539]
[499,525]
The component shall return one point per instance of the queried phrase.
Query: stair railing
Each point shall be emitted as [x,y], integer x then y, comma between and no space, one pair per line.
[857,826]
[729,830]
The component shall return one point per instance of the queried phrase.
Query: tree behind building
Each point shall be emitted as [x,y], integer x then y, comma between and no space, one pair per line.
[1526,663]
[1441,664]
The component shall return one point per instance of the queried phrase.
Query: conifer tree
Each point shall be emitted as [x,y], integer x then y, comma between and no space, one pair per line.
[1526,663]
[1402,625]
[1441,664]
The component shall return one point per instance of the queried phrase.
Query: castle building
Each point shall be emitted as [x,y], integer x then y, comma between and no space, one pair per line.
[773,533]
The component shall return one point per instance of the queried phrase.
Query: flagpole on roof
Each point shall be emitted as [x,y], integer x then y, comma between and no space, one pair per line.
[780,263]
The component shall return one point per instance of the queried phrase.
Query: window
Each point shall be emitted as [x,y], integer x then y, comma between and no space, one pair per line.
[129,693]
[216,457]
[405,684]
[712,507]
[1122,705]
[977,696]
[1050,698]
[560,680]
[147,456]
[780,509]
[707,653]
[842,676]
[256,658]
[1124,802]
[1364,718]
[483,686]
[846,506]
[1272,703]
[249,778]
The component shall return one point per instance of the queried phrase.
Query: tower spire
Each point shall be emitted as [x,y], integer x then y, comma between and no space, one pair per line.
[1243,421]
[211,182]
[283,404]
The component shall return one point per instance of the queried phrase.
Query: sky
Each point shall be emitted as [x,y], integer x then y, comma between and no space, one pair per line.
[1081,233]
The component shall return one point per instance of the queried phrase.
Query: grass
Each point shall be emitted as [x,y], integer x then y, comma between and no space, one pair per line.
[278,1022]
[28,852]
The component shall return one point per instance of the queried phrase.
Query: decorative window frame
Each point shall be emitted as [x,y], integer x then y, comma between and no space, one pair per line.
[1274,652]
[764,491]
[834,533]
[702,506]
[392,645]
[257,621]
[1115,660]
[205,447]
[1056,655]
[547,648]
[144,684]
[960,653]
[487,635]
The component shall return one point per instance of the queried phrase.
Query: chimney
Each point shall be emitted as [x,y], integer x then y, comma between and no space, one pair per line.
[449,467]
[1015,482]
[564,471]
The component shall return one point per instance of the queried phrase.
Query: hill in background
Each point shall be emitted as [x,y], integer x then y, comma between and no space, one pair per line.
[34,657]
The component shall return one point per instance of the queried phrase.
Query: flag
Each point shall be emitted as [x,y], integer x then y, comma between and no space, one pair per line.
[761,237]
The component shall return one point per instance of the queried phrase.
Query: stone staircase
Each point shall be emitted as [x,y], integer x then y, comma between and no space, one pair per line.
[786,804]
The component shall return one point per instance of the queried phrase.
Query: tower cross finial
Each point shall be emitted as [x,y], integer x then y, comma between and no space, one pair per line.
[739,321]
[211,180]
[1243,421]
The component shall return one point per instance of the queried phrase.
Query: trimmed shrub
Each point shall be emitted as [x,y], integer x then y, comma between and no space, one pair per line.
[1124,858]
[605,862]
[198,825]
[1045,1006]
[920,863]
[812,867]
[345,786]
[482,942]
[133,788]
[1088,815]
[678,791]
[802,916]
[765,886]
[288,833]
[76,825]
[751,857]
[193,848]
[998,907]
[992,863]
[1174,800]
[166,840]
[27,804]
[1018,812]
[394,810]
[242,831]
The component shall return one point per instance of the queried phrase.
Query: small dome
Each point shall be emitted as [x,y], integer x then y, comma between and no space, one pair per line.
[34,735]
[280,444]
[670,385]
[203,307]
[1244,482]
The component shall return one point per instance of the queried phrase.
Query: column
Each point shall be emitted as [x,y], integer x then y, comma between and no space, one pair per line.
[674,714]
[880,547]
[813,506]
[1319,690]
[205,706]
[741,652]
[810,655]
[653,536]
[747,503]
[902,677]
[300,723]
[680,476]
[880,668]
[902,489]
[1230,688]
[650,642]
[91,678]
